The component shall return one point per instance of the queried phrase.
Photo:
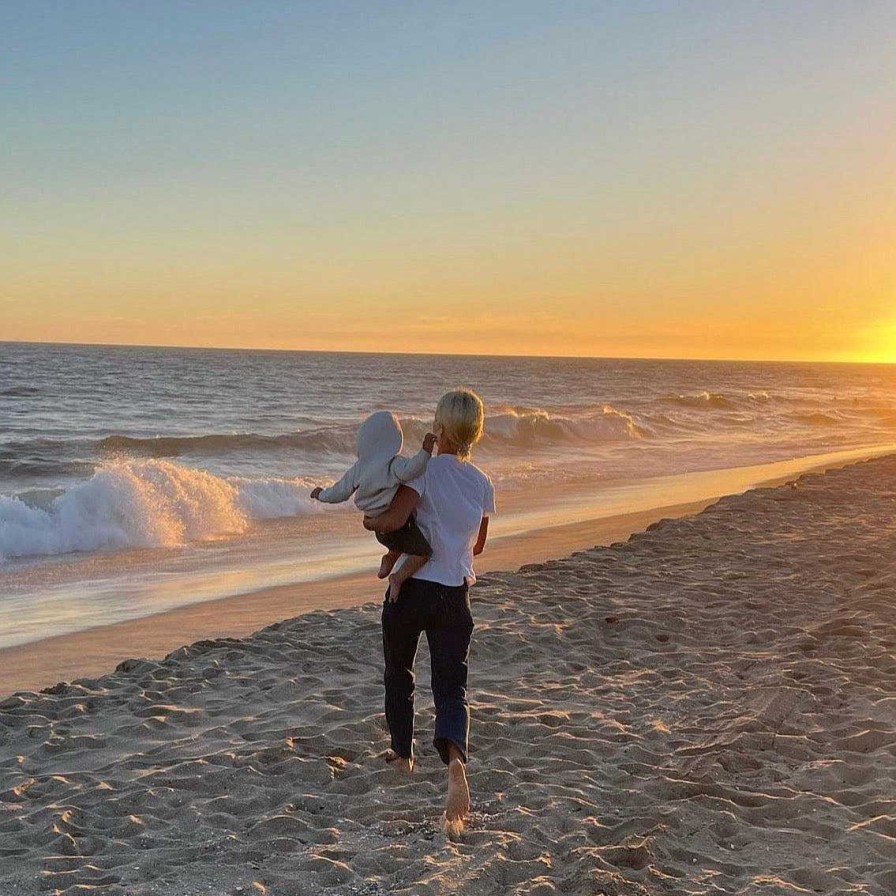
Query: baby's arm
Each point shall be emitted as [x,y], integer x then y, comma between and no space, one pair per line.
[408,468]
[340,491]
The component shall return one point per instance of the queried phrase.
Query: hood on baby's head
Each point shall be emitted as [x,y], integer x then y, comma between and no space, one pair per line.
[380,436]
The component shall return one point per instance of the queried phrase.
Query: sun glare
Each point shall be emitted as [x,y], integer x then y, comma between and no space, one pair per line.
[874,344]
[884,343]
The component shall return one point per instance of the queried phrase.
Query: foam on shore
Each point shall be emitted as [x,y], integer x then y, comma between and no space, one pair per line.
[708,707]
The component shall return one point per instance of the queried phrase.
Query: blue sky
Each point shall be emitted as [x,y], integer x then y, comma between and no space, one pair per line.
[649,162]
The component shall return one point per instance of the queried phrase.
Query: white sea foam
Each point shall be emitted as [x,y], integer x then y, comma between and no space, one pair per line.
[145,503]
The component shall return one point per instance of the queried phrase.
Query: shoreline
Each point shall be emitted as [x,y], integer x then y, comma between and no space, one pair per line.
[94,651]
[708,704]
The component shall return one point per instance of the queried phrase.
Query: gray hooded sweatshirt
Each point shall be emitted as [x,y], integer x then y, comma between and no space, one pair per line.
[380,468]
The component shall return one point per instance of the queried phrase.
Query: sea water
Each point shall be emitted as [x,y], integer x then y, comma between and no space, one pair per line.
[135,479]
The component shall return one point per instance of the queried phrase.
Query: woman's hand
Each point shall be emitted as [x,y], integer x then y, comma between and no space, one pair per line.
[396,514]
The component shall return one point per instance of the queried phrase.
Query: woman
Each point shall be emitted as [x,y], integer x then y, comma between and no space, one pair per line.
[452,500]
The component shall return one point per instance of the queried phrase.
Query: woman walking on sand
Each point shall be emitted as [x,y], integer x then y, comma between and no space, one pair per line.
[452,500]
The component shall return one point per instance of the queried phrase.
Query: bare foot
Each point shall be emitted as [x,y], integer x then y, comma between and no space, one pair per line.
[399,763]
[387,563]
[395,583]
[457,806]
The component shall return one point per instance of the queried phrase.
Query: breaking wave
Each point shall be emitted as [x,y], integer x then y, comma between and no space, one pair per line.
[511,428]
[323,440]
[532,428]
[142,504]
[713,400]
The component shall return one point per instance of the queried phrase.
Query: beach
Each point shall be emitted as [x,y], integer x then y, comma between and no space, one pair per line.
[533,526]
[600,294]
[708,706]
[135,481]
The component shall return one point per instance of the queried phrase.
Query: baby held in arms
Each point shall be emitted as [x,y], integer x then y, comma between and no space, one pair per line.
[374,479]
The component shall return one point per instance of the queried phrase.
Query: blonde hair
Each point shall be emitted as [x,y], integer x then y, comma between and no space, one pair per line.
[461,414]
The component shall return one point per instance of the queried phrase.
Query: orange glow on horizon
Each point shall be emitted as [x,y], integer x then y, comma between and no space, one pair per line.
[555,300]
[434,336]
[590,180]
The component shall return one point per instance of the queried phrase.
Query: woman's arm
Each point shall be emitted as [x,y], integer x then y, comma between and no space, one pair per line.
[479,547]
[396,515]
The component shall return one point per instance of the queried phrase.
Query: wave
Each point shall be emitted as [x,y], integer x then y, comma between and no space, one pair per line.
[31,469]
[820,419]
[521,428]
[714,400]
[509,430]
[324,440]
[518,428]
[14,450]
[144,504]
[717,400]
[19,392]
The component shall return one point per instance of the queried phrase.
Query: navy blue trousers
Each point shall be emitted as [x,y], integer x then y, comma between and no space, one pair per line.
[442,612]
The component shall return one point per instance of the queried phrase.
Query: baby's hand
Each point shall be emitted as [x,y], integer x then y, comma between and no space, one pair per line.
[429,442]
[316,493]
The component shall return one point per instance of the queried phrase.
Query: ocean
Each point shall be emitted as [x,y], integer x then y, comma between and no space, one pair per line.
[135,479]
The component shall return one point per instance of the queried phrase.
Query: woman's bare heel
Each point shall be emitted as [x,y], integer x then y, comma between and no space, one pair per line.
[457,806]
[399,763]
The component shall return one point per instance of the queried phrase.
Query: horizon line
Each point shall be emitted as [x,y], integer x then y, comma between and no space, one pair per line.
[307,351]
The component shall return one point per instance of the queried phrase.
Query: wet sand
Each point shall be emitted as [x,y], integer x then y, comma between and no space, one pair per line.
[96,650]
[515,539]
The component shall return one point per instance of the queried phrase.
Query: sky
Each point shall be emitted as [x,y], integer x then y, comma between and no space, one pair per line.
[638,179]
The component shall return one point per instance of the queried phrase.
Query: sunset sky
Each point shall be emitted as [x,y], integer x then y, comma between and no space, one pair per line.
[665,179]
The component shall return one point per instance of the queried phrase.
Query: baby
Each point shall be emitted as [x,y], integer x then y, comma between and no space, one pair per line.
[374,479]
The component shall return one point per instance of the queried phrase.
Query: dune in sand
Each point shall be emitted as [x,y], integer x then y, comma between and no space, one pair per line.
[709,707]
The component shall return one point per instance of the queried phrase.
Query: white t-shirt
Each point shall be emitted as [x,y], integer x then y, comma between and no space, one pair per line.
[454,497]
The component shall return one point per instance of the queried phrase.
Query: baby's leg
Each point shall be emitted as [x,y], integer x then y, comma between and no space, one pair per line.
[387,563]
[413,563]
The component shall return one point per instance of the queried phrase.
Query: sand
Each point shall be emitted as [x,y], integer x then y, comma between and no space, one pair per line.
[96,650]
[532,527]
[709,707]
